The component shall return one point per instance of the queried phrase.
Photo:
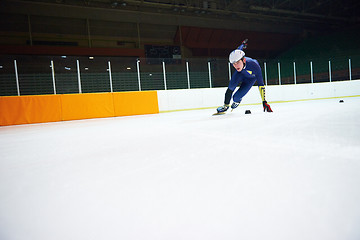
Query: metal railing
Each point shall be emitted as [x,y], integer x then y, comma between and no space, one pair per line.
[313,70]
[36,75]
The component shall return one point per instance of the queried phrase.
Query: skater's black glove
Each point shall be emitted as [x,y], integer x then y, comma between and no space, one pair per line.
[244,43]
[266,106]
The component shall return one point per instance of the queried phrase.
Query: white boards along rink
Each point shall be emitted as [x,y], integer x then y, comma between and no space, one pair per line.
[187,99]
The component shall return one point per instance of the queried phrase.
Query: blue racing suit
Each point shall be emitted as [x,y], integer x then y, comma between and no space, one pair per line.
[247,77]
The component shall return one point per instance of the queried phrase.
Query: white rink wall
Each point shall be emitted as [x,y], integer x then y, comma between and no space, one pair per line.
[172,100]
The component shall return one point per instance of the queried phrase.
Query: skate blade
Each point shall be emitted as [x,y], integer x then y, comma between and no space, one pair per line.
[219,113]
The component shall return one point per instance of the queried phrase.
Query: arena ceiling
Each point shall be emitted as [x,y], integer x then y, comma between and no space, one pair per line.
[196,24]
[329,11]
[315,14]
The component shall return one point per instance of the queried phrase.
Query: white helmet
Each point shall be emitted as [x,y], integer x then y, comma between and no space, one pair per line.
[236,55]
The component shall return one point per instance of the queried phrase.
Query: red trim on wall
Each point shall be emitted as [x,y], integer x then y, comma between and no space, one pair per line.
[70,51]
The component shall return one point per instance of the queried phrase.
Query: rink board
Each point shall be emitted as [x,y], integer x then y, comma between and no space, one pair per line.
[174,100]
[52,108]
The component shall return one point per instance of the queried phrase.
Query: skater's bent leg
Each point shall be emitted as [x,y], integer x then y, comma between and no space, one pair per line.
[242,91]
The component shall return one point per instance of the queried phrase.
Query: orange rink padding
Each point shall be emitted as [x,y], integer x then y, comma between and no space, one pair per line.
[29,109]
[51,108]
[135,103]
[87,105]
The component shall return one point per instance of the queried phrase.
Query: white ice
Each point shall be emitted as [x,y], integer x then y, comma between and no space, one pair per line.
[293,174]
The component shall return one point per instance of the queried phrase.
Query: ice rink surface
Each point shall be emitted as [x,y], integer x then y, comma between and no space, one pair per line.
[293,174]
